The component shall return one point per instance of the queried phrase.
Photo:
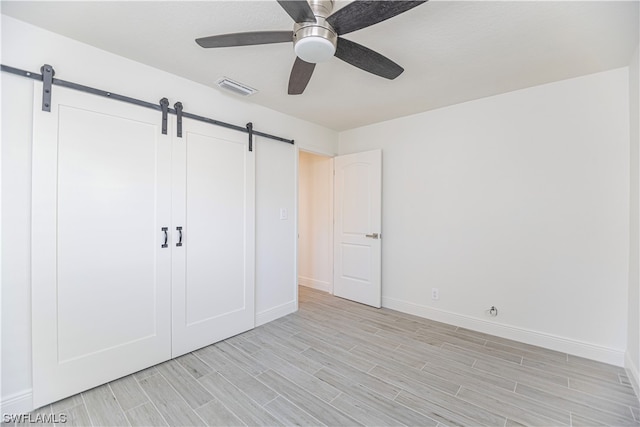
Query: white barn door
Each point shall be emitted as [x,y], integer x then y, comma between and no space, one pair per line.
[214,204]
[100,276]
[358,221]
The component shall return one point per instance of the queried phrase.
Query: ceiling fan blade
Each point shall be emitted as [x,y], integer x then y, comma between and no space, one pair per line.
[367,60]
[246,39]
[361,14]
[299,10]
[300,76]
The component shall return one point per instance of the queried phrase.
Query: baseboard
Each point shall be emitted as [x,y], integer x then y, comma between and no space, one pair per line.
[553,342]
[276,312]
[632,372]
[18,403]
[315,284]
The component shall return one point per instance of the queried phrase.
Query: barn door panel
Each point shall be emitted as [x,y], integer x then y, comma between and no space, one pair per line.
[213,204]
[100,268]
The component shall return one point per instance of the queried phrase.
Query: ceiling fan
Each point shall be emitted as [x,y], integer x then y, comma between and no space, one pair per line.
[316,36]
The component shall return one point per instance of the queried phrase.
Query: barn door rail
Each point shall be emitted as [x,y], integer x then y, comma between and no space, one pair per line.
[48,79]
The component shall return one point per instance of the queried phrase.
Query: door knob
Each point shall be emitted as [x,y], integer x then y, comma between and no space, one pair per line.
[372,236]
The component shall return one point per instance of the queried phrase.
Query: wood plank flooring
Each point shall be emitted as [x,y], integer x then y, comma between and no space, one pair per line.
[338,363]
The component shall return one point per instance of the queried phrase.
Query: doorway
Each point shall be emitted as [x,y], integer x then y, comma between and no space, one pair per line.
[315,221]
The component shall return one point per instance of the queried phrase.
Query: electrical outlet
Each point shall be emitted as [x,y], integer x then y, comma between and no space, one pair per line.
[435,294]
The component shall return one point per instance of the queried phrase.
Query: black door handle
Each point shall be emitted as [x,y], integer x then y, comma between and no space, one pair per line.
[179,229]
[166,237]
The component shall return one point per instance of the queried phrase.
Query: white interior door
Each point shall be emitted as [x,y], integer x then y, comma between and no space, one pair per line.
[100,278]
[357,228]
[214,203]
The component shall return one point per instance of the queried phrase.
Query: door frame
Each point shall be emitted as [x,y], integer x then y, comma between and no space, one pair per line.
[330,157]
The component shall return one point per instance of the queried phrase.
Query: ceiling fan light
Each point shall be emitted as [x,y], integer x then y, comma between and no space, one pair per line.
[314,49]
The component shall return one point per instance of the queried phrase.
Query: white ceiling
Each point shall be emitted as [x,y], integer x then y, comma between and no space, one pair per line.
[452,51]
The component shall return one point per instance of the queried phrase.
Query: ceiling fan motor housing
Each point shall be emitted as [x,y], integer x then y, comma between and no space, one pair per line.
[316,41]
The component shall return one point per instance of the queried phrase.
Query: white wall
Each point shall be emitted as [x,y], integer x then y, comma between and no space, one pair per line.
[520,201]
[315,213]
[276,177]
[28,47]
[16,236]
[632,359]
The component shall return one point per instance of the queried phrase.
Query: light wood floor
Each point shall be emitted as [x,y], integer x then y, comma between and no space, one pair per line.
[339,363]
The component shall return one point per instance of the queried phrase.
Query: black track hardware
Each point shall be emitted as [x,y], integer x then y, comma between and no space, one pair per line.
[87,89]
[47,81]
[250,132]
[164,105]
[178,108]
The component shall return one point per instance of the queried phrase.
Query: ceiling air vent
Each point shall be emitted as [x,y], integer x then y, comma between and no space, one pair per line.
[235,87]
